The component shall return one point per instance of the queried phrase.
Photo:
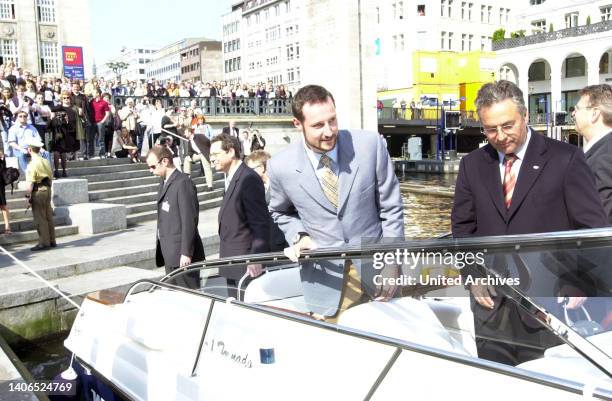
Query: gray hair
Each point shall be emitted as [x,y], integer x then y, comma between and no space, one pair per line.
[495,92]
[600,96]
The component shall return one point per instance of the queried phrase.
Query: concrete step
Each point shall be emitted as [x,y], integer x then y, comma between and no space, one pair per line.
[97,162]
[139,186]
[117,176]
[32,236]
[75,172]
[26,223]
[118,279]
[151,196]
[148,211]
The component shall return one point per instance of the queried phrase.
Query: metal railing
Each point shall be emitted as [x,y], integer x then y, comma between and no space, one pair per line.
[218,106]
[428,116]
[556,35]
[550,119]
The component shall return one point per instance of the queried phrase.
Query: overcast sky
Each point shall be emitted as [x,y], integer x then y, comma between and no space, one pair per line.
[134,23]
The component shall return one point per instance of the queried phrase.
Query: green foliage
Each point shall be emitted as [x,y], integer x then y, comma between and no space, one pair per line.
[588,21]
[551,28]
[499,35]
[518,34]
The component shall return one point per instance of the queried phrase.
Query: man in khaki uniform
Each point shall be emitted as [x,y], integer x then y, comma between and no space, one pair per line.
[38,177]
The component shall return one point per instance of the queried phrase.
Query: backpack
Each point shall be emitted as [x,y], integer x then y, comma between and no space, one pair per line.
[9,176]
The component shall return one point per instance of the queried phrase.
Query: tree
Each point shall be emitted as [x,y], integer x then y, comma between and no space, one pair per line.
[551,28]
[588,21]
[518,34]
[499,35]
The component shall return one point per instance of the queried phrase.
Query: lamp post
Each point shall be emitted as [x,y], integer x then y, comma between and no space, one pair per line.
[117,67]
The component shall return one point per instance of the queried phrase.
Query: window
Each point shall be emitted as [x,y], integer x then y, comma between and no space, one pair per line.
[421,10]
[463,10]
[401,40]
[290,52]
[267,14]
[537,71]
[538,26]
[470,7]
[400,10]
[606,13]
[470,39]
[287,7]
[501,15]
[507,14]
[378,15]
[463,38]
[257,18]
[575,67]
[277,10]
[442,7]
[48,58]
[290,75]
[571,20]
[7,9]
[536,2]
[483,42]
[450,41]
[141,71]
[248,18]
[8,51]
[442,40]
[604,63]
[395,44]
[482,13]
[489,11]
[450,9]
[46,10]
[394,7]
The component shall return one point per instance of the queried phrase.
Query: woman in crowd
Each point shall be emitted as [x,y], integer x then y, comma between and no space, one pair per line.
[6,118]
[64,125]
[41,113]
[173,90]
[30,89]
[111,124]
[128,148]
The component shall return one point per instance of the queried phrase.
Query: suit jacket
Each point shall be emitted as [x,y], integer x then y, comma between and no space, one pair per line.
[369,207]
[555,191]
[244,220]
[599,159]
[177,222]
[226,130]
[203,144]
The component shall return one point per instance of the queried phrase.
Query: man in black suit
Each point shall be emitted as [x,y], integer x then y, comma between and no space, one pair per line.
[198,150]
[593,116]
[521,182]
[244,221]
[178,241]
[231,129]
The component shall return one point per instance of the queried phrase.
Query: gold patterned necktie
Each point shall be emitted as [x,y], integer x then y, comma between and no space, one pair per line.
[329,181]
[509,178]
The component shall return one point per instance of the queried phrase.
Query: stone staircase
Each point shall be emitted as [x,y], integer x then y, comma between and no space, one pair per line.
[116,181]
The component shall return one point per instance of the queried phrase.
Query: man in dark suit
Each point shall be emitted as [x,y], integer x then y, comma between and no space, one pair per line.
[593,116]
[521,182]
[244,220]
[198,150]
[178,241]
[231,129]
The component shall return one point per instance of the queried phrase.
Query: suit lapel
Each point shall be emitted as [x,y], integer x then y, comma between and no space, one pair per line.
[348,168]
[309,181]
[165,186]
[535,159]
[492,180]
[231,188]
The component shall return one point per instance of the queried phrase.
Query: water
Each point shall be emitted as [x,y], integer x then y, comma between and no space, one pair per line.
[425,216]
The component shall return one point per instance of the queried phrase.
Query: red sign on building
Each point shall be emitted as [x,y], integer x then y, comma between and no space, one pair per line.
[72,57]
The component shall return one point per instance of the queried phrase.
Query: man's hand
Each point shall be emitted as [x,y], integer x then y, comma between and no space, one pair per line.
[572,302]
[254,270]
[293,252]
[385,291]
[185,260]
[482,294]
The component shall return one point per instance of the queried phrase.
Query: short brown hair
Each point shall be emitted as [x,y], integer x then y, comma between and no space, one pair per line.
[258,156]
[228,142]
[600,96]
[161,152]
[309,94]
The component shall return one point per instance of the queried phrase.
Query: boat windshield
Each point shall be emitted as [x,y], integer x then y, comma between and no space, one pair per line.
[539,302]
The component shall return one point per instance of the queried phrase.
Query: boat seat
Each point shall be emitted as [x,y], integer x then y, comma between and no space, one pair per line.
[405,319]
[278,288]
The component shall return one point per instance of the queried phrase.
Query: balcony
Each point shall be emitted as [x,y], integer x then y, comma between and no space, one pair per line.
[577,31]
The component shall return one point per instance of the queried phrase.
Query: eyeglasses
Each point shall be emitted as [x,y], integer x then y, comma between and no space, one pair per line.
[153,167]
[506,129]
[578,108]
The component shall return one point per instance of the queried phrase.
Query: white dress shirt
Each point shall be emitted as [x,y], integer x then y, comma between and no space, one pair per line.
[230,174]
[516,166]
[315,160]
[593,141]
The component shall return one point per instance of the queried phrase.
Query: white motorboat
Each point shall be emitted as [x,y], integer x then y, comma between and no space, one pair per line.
[164,342]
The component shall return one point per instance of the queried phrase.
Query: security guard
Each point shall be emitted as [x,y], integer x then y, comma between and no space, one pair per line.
[38,177]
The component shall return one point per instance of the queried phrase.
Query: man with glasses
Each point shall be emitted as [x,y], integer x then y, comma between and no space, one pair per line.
[19,135]
[178,240]
[593,116]
[521,182]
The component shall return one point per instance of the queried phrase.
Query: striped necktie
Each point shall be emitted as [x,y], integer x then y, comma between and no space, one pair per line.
[509,178]
[329,181]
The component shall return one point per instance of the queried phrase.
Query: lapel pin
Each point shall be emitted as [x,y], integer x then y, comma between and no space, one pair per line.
[536,167]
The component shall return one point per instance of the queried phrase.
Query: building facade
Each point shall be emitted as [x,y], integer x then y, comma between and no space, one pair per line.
[136,59]
[32,33]
[202,61]
[404,27]
[261,42]
[567,45]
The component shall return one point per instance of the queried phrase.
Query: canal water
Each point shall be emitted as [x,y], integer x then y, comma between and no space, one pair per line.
[425,216]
